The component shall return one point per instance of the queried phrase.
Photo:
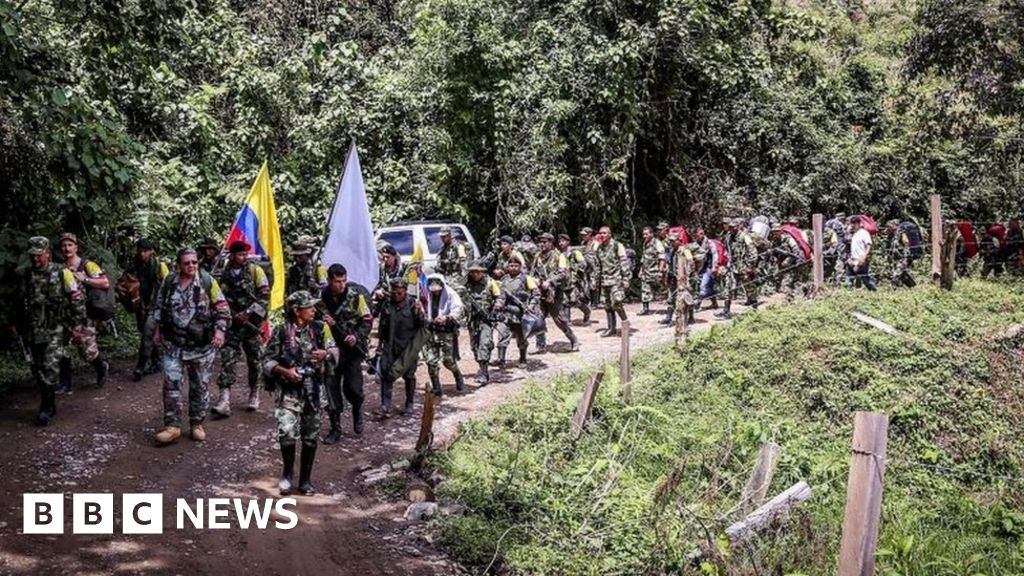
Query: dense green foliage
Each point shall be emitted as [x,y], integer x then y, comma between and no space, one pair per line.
[636,492]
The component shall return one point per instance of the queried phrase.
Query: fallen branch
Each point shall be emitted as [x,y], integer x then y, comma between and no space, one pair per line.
[874,323]
[776,508]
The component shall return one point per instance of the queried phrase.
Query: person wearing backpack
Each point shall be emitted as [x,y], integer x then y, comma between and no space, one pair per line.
[247,290]
[150,272]
[792,253]
[91,278]
[859,263]
[191,316]
[900,252]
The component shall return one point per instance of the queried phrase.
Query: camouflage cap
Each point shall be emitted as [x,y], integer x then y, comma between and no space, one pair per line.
[68,236]
[301,299]
[37,245]
[398,282]
[208,243]
[892,223]
[792,220]
[564,236]
[507,238]
[144,244]
[388,249]
[546,236]
[662,225]
[587,230]
[739,222]
[840,216]
[445,231]
[476,266]
[301,246]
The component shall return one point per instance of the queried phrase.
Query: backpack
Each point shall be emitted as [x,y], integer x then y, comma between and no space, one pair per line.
[970,241]
[869,224]
[200,330]
[99,302]
[723,254]
[914,235]
[797,235]
[679,232]
[998,231]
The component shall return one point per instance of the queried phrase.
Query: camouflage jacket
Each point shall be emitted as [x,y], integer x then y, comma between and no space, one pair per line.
[246,289]
[150,275]
[188,315]
[518,295]
[52,300]
[308,278]
[650,262]
[611,264]
[351,316]
[502,259]
[552,268]
[293,345]
[451,261]
[480,299]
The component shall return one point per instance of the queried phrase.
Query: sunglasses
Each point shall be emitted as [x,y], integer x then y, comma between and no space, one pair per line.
[190,263]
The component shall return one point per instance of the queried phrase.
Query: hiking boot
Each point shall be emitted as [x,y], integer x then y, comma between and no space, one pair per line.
[645,309]
[288,459]
[407,408]
[102,367]
[198,433]
[168,435]
[254,400]
[460,382]
[483,377]
[137,374]
[223,407]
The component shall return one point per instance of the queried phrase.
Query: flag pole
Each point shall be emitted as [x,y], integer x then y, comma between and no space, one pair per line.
[325,232]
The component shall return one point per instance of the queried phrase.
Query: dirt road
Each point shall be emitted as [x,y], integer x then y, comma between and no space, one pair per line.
[101,442]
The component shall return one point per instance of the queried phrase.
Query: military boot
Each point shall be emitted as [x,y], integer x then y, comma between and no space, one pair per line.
[435,384]
[357,419]
[542,344]
[102,367]
[725,314]
[254,399]
[574,343]
[586,315]
[140,370]
[334,434]
[612,321]
[501,357]
[460,381]
[288,459]
[645,309]
[483,377]
[223,407]
[64,369]
[522,358]
[306,469]
[168,435]
[47,407]
[667,320]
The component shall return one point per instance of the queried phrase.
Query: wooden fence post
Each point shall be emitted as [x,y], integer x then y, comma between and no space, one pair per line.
[819,254]
[761,478]
[948,272]
[624,360]
[586,404]
[864,494]
[936,216]
[426,436]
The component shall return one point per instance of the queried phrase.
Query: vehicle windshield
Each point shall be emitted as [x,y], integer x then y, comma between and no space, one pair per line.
[400,239]
[433,234]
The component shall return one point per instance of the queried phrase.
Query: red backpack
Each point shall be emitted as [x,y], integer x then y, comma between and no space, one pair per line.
[679,232]
[869,224]
[970,241]
[998,231]
[723,255]
[795,233]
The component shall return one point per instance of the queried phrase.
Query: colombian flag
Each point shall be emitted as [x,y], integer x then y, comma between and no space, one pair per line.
[416,278]
[256,224]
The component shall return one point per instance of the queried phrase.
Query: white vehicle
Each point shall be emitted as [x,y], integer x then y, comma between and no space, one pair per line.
[404,236]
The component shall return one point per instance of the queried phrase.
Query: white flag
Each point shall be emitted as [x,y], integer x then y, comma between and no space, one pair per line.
[350,240]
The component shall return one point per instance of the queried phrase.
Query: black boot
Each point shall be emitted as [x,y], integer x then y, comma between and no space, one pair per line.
[435,383]
[574,343]
[542,344]
[586,315]
[483,377]
[334,434]
[612,321]
[725,314]
[357,419]
[522,358]
[460,382]
[288,473]
[645,309]
[47,407]
[306,469]
[501,357]
[102,369]
[64,369]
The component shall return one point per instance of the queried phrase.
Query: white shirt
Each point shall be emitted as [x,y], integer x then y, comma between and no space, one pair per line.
[860,245]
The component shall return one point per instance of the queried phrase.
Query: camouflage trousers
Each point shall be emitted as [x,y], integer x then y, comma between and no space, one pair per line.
[440,349]
[85,342]
[613,297]
[176,363]
[481,340]
[792,277]
[559,314]
[745,281]
[579,297]
[235,345]
[650,285]
[900,273]
[681,313]
[296,420]
[148,352]
[46,357]
[505,332]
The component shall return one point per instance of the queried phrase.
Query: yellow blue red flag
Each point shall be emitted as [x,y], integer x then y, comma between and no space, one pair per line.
[256,225]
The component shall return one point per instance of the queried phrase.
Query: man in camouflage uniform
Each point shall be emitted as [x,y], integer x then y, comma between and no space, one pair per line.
[588,246]
[742,271]
[529,249]
[89,276]
[53,306]
[481,294]
[790,262]
[151,273]
[899,255]
[519,293]
[209,252]
[401,319]
[506,252]
[551,268]
[304,273]
[451,259]
[836,247]
[247,290]
[192,317]
[578,294]
[444,312]
[674,239]
[348,315]
[612,273]
[685,269]
[297,355]
[391,267]
[652,269]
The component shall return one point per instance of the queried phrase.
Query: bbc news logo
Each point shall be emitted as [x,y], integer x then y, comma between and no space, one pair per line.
[144,513]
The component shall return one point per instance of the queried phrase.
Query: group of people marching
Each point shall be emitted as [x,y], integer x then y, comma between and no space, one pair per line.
[211,304]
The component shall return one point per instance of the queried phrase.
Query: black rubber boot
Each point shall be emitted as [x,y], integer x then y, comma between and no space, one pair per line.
[334,434]
[64,370]
[47,407]
[725,314]
[357,420]
[612,321]
[542,344]
[435,383]
[586,314]
[306,469]
[522,358]
[501,358]
[483,376]
[102,369]
[574,343]
[645,309]
[288,472]
[460,382]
